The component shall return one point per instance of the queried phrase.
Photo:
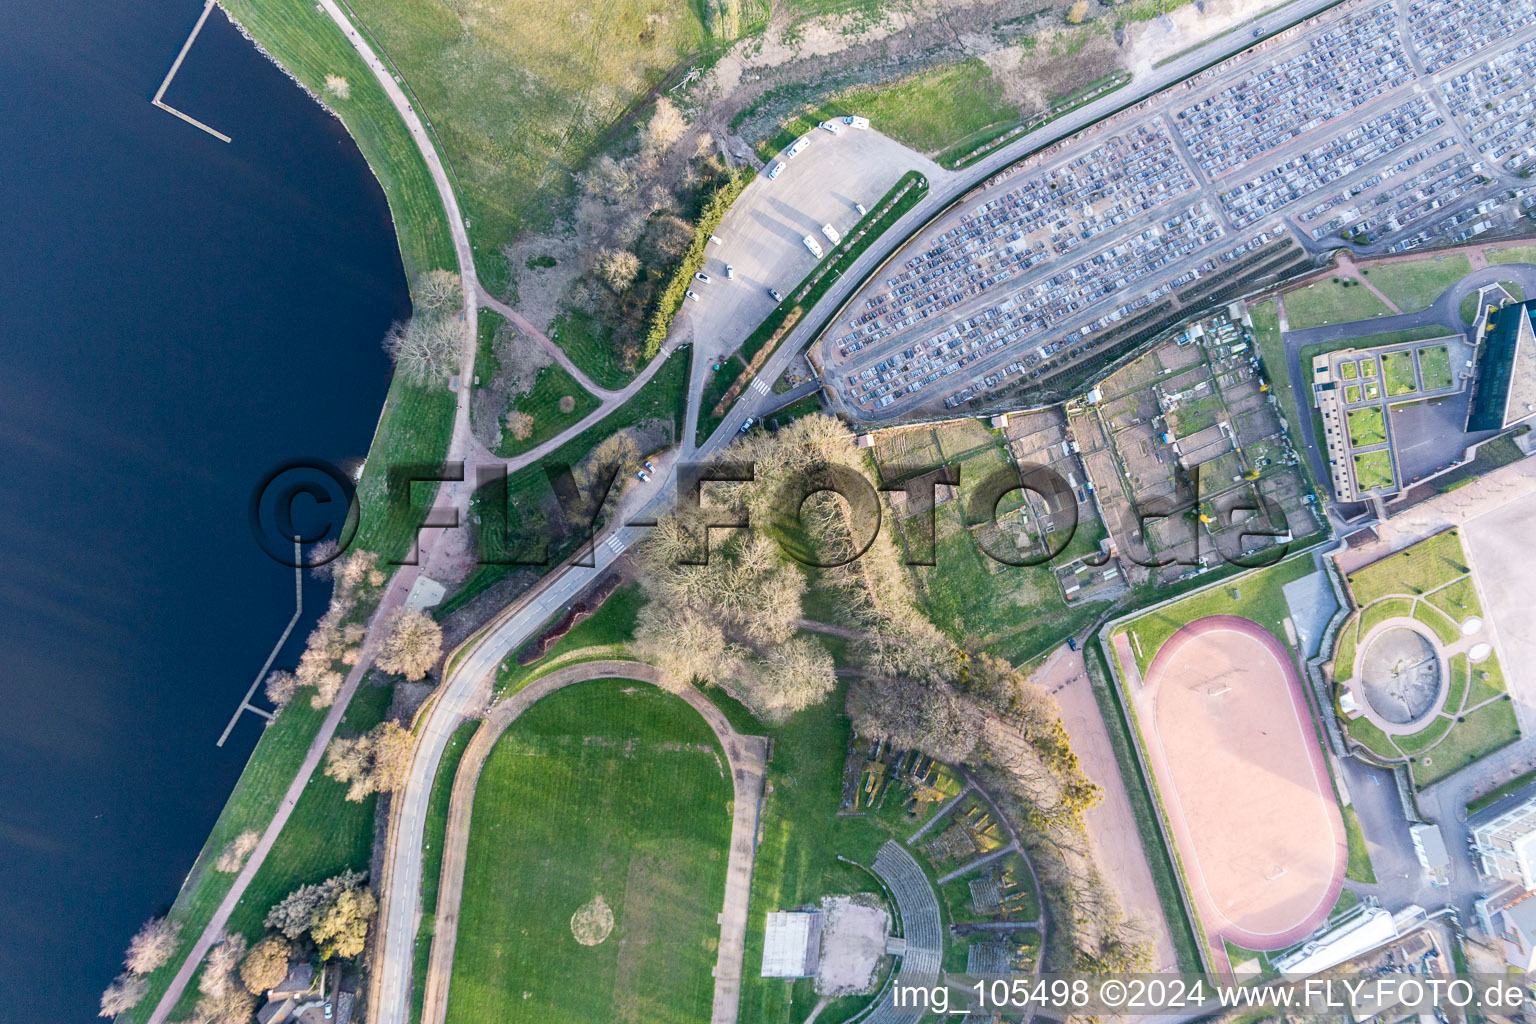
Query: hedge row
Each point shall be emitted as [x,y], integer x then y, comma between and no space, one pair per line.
[671,297]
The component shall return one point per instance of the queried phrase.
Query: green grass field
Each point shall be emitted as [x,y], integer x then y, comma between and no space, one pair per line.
[1512,254]
[612,789]
[1352,394]
[1366,427]
[1381,611]
[589,343]
[1349,371]
[936,107]
[521,95]
[1331,302]
[1255,595]
[1427,565]
[1397,374]
[551,387]
[414,429]
[1413,285]
[1444,629]
[1478,734]
[1435,367]
[1360,868]
[1487,681]
[1373,470]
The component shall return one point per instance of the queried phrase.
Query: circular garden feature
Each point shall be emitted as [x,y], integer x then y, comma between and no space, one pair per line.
[1401,675]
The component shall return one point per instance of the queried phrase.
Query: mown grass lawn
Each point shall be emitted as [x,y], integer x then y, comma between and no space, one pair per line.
[521,95]
[1373,470]
[1427,565]
[1255,595]
[1366,427]
[1512,254]
[1435,367]
[609,789]
[1359,868]
[1397,374]
[1413,285]
[556,403]
[1331,302]
[1479,734]
[589,343]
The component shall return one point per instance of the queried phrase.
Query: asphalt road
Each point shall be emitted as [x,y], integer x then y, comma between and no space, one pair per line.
[467,685]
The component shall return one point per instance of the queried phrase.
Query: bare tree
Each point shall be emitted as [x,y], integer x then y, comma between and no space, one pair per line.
[280,687]
[439,291]
[928,717]
[123,994]
[327,689]
[152,946]
[617,268]
[232,858]
[665,127]
[413,641]
[375,762]
[426,350]
[519,424]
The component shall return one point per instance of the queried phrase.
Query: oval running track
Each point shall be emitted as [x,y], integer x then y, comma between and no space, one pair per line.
[1243,779]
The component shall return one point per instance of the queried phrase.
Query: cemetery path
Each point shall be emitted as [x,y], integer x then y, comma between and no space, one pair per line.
[748,760]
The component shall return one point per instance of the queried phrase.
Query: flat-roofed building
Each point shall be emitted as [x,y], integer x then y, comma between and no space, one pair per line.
[1504,836]
[791,944]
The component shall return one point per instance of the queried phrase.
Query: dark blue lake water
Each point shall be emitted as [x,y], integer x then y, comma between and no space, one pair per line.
[177,315]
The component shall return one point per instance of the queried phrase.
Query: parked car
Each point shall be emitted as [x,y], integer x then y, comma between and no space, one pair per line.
[747,425]
[775,169]
[702,277]
[859,209]
[643,475]
[648,467]
[692,294]
[730,272]
[776,296]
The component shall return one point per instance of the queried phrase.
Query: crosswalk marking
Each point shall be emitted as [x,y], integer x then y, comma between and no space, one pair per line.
[759,385]
[615,545]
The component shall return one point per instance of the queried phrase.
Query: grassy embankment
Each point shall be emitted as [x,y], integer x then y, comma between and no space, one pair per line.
[522,95]
[414,427]
[1412,285]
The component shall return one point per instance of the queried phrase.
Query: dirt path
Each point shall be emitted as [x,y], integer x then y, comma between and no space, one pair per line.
[1111,822]
[555,351]
[747,756]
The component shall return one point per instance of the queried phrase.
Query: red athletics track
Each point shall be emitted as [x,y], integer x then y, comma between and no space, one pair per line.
[1242,777]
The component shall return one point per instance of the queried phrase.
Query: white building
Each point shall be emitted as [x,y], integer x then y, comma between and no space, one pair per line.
[791,944]
[1504,837]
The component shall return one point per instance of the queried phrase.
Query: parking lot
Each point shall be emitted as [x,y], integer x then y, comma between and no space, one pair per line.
[1340,130]
[761,236]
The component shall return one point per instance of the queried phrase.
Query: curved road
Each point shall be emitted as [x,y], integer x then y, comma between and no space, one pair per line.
[475,664]
[747,756]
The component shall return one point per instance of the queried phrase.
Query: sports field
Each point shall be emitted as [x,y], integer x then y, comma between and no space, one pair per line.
[1243,781]
[604,811]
